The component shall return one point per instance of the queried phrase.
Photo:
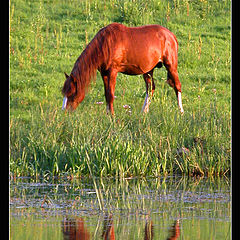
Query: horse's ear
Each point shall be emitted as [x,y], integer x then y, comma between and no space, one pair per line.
[74,79]
[66,75]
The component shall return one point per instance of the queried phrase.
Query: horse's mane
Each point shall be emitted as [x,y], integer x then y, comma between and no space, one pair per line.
[97,52]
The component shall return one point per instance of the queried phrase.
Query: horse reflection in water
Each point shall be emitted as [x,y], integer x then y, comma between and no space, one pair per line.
[149,233]
[174,231]
[74,229]
[108,229]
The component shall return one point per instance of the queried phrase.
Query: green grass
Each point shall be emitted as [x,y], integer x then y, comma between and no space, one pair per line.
[46,38]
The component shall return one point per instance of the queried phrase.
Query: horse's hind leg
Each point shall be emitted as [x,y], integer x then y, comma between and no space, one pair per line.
[173,81]
[148,77]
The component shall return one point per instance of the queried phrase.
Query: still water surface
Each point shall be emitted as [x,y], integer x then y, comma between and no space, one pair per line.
[153,208]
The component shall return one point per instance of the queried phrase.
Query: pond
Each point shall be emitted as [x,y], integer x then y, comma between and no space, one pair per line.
[170,207]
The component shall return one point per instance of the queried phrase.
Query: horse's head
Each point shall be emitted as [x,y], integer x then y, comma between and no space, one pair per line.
[72,94]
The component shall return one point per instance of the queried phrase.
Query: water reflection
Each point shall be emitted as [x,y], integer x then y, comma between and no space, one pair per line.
[141,209]
[74,229]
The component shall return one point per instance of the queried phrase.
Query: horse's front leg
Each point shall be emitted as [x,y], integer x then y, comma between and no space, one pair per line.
[148,77]
[109,80]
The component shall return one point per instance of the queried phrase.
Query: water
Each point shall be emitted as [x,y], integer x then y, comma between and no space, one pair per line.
[153,208]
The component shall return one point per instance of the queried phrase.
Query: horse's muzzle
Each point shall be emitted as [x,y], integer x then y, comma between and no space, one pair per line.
[64,103]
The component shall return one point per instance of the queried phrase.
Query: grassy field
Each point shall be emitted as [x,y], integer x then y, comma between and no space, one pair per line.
[46,38]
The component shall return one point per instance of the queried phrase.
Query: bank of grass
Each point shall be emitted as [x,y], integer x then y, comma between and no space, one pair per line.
[46,37]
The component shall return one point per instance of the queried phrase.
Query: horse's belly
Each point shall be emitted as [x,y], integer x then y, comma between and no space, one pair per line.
[139,66]
[140,62]
[131,69]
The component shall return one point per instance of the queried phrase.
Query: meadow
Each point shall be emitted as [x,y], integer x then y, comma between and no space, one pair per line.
[46,38]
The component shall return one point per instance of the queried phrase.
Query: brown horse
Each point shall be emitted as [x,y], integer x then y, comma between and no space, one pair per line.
[129,50]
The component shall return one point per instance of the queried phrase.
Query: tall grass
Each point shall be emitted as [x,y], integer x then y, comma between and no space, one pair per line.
[45,40]
[132,145]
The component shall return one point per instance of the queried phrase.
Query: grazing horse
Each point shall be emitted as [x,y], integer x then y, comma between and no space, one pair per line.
[129,50]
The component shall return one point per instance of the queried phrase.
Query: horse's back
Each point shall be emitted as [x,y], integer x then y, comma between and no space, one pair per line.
[146,30]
